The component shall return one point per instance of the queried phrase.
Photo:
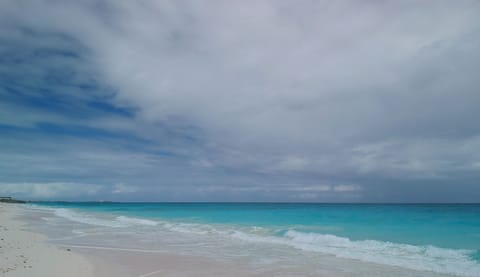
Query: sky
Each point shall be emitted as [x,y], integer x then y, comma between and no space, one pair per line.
[261,100]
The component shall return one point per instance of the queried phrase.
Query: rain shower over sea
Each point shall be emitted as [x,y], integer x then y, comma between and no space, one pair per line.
[301,239]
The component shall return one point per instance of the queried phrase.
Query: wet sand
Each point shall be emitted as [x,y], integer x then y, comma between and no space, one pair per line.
[24,253]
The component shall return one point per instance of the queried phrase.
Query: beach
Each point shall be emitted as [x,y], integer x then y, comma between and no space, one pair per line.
[161,239]
[25,253]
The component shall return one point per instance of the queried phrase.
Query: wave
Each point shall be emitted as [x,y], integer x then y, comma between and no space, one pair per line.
[415,257]
[424,258]
[87,219]
[118,222]
[457,262]
[136,221]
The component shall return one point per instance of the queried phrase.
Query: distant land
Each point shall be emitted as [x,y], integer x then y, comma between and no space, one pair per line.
[11,200]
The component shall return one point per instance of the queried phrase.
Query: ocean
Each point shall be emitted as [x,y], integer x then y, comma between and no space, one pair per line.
[408,239]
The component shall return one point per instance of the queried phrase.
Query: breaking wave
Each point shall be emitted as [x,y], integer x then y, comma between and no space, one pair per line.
[458,262]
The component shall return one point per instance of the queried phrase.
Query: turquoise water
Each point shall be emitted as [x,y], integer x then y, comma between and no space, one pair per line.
[451,226]
[434,237]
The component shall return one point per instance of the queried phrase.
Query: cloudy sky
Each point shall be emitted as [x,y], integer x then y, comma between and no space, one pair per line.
[328,101]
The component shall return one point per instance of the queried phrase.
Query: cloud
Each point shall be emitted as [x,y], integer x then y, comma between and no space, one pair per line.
[263,92]
[122,188]
[345,188]
[274,89]
[48,190]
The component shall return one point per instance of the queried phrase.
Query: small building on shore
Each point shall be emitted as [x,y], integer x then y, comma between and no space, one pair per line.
[8,199]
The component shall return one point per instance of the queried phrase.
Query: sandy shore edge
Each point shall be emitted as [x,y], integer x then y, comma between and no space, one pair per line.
[25,253]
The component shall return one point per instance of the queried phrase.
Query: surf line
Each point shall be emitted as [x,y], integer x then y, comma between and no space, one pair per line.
[150,273]
[76,236]
[110,248]
[69,237]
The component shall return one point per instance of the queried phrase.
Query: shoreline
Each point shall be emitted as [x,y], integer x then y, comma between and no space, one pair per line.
[111,245]
[27,253]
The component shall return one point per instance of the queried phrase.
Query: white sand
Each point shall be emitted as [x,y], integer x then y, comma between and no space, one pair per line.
[24,253]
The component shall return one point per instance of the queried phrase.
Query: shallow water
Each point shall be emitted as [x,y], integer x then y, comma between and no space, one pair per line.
[308,239]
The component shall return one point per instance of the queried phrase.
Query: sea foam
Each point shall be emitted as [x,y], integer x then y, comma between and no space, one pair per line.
[425,258]
[429,258]
[118,222]
[457,262]
[136,221]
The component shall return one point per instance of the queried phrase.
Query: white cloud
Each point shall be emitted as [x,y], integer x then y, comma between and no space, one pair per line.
[286,87]
[293,188]
[122,188]
[48,190]
[346,188]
